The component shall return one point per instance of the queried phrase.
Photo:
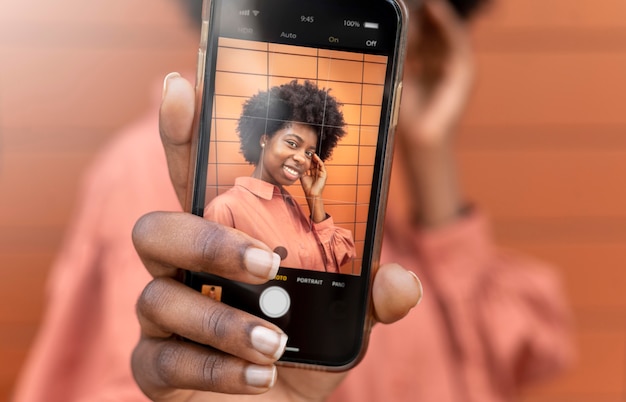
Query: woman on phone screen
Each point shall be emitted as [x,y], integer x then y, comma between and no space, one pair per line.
[287,133]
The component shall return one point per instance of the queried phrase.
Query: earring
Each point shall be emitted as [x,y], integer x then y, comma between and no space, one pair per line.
[263,145]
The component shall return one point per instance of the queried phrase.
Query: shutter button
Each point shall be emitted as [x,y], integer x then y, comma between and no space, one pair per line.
[274,302]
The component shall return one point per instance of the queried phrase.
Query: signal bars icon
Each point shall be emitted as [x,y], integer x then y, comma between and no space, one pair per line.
[246,13]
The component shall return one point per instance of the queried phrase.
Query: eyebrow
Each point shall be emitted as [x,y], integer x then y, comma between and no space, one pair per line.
[313,147]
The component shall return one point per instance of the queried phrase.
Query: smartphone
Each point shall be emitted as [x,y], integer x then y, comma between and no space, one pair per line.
[298,101]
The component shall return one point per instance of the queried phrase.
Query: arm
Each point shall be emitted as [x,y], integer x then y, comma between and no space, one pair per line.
[60,339]
[437,81]
[89,327]
[337,242]
[506,314]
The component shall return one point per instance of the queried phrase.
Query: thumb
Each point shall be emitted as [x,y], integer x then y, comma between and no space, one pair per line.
[395,292]
[175,126]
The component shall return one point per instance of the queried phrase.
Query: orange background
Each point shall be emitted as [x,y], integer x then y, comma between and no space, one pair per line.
[542,148]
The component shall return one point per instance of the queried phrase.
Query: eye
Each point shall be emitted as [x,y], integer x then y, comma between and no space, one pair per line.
[291,143]
[309,154]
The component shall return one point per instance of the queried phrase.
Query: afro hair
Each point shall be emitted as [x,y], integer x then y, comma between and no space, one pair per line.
[272,110]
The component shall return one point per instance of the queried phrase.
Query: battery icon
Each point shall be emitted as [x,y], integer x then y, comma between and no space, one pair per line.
[370,25]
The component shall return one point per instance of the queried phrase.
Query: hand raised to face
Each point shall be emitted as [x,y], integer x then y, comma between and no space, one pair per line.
[314,180]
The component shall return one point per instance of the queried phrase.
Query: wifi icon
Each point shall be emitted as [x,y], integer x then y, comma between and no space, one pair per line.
[255,12]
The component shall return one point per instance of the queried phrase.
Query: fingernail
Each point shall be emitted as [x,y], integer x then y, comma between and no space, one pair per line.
[261,263]
[419,283]
[260,376]
[268,342]
[166,81]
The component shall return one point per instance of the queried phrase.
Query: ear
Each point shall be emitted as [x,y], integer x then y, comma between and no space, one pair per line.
[263,140]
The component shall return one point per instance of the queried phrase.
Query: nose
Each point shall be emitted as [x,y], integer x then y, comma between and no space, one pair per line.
[299,156]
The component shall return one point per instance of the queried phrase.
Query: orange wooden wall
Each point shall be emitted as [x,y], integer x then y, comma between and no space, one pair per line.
[542,147]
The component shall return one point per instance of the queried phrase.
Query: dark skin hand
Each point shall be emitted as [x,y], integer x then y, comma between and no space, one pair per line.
[313,185]
[241,349]
[438,77]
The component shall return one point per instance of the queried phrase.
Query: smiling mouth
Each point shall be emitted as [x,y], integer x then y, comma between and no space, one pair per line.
[292,171]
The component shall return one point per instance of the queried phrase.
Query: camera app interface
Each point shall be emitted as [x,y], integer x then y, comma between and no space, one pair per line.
[293,132]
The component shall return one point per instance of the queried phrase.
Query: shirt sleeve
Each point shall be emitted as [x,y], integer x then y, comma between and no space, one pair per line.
[65,361]
[337,243]
[506,313]
[89,329]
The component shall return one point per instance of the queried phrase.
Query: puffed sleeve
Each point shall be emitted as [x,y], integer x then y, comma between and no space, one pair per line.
[506,312]
[337,243]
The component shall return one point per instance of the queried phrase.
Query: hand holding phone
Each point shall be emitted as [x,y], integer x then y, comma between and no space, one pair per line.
[168,369]
[304,90]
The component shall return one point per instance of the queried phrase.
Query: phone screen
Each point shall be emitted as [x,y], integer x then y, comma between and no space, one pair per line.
[293,148]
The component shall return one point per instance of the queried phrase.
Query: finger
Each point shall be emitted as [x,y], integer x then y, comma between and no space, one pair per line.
[168,307]
[395,292]
[167,368]
[457,62]
[439,74]
[175,125]
[205,247]
[318,161]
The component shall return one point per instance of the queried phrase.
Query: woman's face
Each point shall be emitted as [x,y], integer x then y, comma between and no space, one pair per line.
[287,155]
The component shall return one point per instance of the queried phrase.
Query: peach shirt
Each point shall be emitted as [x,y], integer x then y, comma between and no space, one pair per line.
[489,321]
[263,211]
